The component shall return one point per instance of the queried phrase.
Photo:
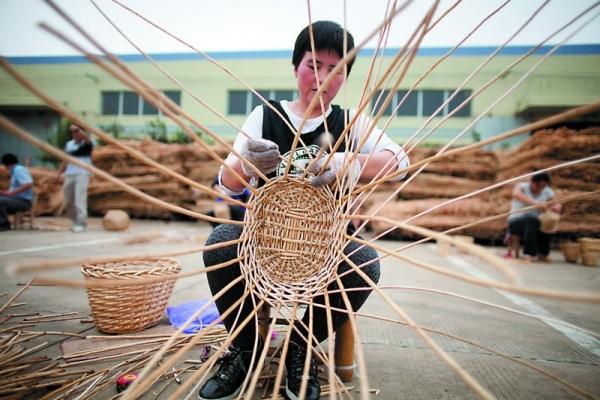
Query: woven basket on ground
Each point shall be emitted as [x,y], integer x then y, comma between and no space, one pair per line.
[570,251]
[589,259]
[130,308]
[292,241]
[589,245]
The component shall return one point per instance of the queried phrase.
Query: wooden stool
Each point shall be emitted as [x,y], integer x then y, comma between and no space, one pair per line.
[19,216]
[344,345]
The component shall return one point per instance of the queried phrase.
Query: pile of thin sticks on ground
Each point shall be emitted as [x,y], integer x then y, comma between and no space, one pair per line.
[28,367]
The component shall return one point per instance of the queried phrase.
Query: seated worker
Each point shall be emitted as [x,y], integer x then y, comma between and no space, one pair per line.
[526,224]
[270,139]
[221,209]
[19,195]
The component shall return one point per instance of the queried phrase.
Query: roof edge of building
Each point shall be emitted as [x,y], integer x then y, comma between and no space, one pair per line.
[472,51]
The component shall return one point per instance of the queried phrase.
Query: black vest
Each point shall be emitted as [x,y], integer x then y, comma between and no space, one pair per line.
[275,130]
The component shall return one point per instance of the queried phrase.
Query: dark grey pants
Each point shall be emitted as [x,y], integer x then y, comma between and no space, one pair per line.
[11,205]
[221,277]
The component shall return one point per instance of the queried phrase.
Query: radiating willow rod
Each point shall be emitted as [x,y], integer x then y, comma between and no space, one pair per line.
[171,77]
[488,83]
[309,347]
[27,137]
[35,266]
[411,89]
[383,38]
[411,56]
[555,119]
[263,355]
[474,300]
[363,378]
[444,14]
[509,272]
[491,81]
[505,182]
[149,95]
[15,296]
[586,297]
[469,342]
[561,200]
[167,101]
[96,282]
[486,189]
[362,106]
[214,62]
[147,374]
[61,109]
[373,88]
[284,350]
[177,394]
[319,352]
[469,380]
[336,70]
[330,349]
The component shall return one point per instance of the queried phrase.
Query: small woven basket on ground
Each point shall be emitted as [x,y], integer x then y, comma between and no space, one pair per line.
[132,307]
[570,251]
[590,251]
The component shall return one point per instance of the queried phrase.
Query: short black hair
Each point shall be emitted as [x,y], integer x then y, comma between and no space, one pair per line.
[328,35]
[9,159]
[541,177]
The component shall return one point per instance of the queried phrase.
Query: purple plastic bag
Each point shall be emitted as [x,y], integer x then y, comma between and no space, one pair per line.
[179,314]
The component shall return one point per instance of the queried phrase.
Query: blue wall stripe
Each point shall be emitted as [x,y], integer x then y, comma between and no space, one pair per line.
[575,49]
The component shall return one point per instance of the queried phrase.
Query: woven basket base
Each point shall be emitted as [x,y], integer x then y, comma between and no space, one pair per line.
[293,240]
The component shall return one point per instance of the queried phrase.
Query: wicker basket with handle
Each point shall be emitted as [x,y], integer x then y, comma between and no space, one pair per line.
[590,251]
[130,308]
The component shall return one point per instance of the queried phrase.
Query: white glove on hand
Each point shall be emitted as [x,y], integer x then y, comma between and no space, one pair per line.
[335,166]
[263,154]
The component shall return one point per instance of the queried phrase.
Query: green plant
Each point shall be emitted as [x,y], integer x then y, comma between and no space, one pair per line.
[156,129]
[179,136]
[115,129]
[476,136]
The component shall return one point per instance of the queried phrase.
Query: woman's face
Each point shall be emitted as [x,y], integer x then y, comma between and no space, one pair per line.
[325,62]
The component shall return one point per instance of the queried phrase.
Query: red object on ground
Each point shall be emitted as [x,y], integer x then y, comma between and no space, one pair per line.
[125,380]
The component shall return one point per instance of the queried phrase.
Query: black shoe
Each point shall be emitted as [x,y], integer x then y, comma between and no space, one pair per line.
[294,364]
[227,382]
[5,227]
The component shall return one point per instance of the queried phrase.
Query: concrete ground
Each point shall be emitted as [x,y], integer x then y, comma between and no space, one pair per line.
[400,365]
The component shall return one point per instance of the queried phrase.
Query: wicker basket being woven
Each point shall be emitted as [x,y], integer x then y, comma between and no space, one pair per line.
[293,240]
[130,308]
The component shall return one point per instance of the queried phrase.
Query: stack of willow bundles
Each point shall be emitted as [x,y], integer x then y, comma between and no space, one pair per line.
[475,165]
[49,195]
[189,160]
[469,172]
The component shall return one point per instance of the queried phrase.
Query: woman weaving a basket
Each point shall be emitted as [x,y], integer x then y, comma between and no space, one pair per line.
[269,143]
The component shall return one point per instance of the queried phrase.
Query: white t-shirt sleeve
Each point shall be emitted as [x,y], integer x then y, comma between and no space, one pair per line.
[253,128]
[377,141]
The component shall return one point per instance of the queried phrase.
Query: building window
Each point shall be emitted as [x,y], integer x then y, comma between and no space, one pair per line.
[110,103]
[242,102]
[130,103]
[423,103]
